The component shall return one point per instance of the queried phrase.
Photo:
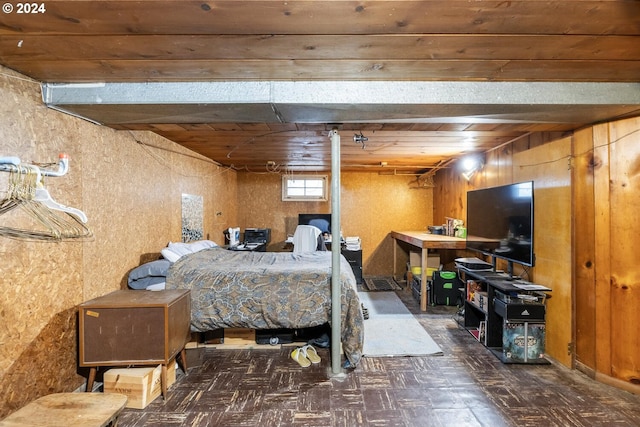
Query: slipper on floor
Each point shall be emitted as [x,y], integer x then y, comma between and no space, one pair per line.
[299,356]
[311,354]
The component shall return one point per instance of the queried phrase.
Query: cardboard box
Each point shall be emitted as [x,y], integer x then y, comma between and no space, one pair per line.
[235,336]
[415,260]
[195,356]
[140,385]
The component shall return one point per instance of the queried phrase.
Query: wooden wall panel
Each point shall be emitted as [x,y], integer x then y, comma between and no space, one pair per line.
[602,241]
[506,165]
[549,166]
[602,250]
[584,248]
[130,187]
[451,193]
[624,282]
[372,205]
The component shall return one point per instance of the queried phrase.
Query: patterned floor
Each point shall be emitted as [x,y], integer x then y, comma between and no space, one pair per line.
[467,386]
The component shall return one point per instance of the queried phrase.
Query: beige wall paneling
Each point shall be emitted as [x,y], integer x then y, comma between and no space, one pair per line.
[260,205]
[373,205]
[549,167]
[41,282]
[130,187]
[140,178]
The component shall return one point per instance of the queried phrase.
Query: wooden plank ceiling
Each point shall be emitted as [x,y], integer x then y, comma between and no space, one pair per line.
[348,41]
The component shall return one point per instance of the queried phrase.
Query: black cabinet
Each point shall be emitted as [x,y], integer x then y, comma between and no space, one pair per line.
[355,260]
[507,319]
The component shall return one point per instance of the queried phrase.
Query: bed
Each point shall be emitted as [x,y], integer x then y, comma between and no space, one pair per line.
[268,290]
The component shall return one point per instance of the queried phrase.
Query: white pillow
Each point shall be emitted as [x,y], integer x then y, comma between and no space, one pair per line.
[169,255]
[181,248]
[174,251]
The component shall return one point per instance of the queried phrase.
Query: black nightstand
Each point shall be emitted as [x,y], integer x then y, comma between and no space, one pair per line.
[355,260]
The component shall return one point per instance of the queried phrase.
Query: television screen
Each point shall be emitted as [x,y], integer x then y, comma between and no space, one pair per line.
[322,221]
[500,222]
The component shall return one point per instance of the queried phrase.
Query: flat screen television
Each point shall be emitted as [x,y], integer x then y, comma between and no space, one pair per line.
[322,221]
[500,222]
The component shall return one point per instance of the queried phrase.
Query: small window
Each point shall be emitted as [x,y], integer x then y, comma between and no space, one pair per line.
[304,187]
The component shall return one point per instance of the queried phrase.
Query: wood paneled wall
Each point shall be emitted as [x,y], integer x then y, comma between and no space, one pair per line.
[372,205]
[590,261]
[549,166]
[607,284]
[523,160]
[130,186]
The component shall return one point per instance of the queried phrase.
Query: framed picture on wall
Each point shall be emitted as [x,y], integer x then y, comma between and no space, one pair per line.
[192,218]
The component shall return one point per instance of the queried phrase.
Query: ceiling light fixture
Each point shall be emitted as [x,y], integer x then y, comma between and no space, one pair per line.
[470,166]
[360,139]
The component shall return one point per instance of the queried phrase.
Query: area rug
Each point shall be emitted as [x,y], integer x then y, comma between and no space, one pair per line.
[391,330]
[381,284]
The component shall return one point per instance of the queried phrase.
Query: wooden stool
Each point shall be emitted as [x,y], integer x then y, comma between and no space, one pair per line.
[69,410]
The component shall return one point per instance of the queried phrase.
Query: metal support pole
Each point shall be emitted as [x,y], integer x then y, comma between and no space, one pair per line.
[336,288]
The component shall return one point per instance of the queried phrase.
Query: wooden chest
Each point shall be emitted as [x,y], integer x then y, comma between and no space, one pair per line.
[134,327]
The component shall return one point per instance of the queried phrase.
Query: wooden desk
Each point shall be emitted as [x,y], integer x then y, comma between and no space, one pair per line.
[425,241]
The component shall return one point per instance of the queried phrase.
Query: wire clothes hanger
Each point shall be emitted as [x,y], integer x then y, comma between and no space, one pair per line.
[51,221]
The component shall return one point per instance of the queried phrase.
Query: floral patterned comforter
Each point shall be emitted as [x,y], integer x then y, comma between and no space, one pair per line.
[268,290]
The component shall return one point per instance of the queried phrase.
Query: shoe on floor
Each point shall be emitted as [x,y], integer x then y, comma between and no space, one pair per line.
[299,356]
[311,354]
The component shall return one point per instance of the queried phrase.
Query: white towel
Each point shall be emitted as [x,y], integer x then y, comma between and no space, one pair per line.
[305,238]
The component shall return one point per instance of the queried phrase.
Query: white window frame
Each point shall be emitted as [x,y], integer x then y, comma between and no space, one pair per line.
[286,197]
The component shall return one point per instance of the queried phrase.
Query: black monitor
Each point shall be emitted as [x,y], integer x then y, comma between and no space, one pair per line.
[500,222]
[322,221]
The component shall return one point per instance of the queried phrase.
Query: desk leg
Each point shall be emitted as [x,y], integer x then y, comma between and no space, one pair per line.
[423,281]
[395,252]
[91,379]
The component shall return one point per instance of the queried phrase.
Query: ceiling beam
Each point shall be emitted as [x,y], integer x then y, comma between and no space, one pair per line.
[343,101]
